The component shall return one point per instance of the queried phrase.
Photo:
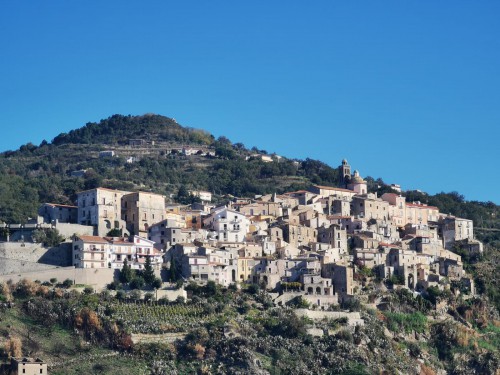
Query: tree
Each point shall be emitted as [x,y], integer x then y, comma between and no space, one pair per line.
[149,273]
[156,283]
[137,282]
[126,273]
[48,237]
[172,274]
[114,233]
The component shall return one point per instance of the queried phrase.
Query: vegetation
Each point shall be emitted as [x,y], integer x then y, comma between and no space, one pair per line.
[233,331]
[400,322]
[223,330]
[47,236]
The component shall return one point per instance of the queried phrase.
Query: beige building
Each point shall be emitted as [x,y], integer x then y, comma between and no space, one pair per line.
[101,208]
[418,213]
[140,210]
[397,208]
[28,366]
[454,229]
[343,281]
[369,207]
[298,235]
[357,184]
[262,208]
[335,236]
[329,191]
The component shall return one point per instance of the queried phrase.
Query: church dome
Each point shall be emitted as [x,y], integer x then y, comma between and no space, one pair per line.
[357,179]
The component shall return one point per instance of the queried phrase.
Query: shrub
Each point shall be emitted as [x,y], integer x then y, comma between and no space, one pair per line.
[137,283]
[135,295]
[157,283]
[13,347]
[180,300]
[121,295]
[88,290]
[299,302]
[253,289]
[67,283]
[399,322]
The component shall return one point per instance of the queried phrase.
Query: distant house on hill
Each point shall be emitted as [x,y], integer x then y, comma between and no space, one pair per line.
[78,173]
[106,154]
[28,366]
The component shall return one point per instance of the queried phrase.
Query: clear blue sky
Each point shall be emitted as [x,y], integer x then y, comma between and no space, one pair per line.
[405,90]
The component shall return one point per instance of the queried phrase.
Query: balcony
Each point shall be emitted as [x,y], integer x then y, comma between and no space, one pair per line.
[93,249]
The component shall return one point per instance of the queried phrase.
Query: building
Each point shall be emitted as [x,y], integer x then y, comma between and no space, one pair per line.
[52,213]
[111,252]
[344,173]
[169,236]
[91,252]
[140,210]
[227,225]
[454,229]
[329,191]
[298,235]
[205,196]
[357,184]
[28,366]
[369,207]
[106,154]
[101,208]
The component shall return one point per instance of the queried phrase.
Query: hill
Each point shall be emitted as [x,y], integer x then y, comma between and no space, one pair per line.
[149,156]
[35,174]
[225,327]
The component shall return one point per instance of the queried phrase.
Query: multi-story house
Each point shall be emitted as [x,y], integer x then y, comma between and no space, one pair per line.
[418,213]
[329,191]
[369,207]
[397,208]
[262,208]
[454,229]
[298,235]
[58,213]
[166,236]
[208,264]
[111,252]
[91,252]
[140,210]
[101,208]
[227,225]
[334,236]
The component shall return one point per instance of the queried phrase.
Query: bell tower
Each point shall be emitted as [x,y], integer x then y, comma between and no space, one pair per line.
[344,173]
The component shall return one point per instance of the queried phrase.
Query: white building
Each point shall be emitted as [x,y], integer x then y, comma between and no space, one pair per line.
[227,225]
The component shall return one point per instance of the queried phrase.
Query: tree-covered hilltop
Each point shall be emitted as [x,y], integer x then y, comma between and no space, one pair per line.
[118,129]
[36,174]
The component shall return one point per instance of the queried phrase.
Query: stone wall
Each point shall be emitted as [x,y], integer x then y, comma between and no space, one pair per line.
[95,277]
[354,318]
[36,253]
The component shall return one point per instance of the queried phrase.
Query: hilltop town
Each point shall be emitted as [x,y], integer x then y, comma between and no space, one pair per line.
[324,244]
[182,253]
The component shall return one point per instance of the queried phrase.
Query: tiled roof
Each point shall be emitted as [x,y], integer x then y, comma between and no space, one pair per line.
[95,239]
[60,205]
[333,188]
